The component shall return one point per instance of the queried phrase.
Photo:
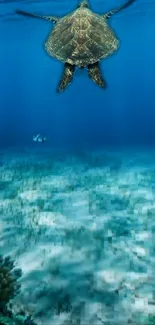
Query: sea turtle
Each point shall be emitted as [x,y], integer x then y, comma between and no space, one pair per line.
[81,39]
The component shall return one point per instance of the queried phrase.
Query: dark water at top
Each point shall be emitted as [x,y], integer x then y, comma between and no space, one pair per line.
[84,114]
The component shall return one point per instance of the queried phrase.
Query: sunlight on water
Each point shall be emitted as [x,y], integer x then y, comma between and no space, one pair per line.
[77,209]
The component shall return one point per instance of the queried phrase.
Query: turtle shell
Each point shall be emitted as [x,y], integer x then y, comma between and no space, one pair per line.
[81,38]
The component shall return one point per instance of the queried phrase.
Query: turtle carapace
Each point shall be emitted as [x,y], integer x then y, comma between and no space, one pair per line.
[81,39]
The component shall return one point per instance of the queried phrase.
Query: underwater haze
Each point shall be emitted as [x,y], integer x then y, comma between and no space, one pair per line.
[77,207]
[84,114]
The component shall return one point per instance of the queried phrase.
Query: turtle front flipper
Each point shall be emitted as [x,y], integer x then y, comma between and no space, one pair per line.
[114,11]
[53,19]
[67,77]
[95,74]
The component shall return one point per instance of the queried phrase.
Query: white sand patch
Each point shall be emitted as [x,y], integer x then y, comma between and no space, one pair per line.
[110,276]
[140,251]
[142,236]
[48,218]
[29,195]
[141,304]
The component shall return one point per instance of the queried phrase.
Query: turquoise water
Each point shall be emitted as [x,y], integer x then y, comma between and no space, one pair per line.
[81,227]
[77,212]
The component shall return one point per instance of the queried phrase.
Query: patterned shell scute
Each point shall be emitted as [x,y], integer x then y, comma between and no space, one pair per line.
[81,38]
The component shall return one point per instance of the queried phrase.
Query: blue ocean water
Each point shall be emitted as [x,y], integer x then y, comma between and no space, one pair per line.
[124,113]
[77,211]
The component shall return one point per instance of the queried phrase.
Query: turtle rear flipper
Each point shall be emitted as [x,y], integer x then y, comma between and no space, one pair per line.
[114,11]
[95,74]
[67,77]
[53,19]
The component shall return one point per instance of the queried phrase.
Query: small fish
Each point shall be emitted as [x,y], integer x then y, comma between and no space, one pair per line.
[39,138]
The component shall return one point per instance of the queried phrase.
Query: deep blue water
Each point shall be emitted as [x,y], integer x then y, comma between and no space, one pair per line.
[81,224]
[83,115]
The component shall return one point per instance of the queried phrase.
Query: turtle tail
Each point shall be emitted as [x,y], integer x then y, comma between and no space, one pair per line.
[114,11]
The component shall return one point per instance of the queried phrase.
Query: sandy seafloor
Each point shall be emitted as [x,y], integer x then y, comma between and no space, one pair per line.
[82,228]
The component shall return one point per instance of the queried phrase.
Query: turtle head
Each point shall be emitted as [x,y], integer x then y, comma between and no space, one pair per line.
[84,4]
